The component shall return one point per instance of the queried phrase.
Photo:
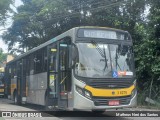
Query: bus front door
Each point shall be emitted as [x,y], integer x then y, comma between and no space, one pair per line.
[64,75]
[51,97]
[59,82]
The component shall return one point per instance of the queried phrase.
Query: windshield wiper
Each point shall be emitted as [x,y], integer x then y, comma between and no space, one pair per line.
[106,60]
[102,53]
[98,48]
[116,59]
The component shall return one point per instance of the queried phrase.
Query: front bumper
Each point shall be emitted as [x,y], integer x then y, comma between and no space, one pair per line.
[83,103]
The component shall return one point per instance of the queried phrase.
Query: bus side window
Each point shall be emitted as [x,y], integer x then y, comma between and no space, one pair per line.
[44,59]
[38,61]
[27,66]
[52,66]
[31,62]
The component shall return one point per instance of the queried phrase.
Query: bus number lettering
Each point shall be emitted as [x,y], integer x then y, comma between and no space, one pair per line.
[122,92]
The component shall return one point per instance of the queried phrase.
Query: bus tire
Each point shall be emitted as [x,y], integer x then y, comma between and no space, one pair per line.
[51,110]
[16,99]
[46,104]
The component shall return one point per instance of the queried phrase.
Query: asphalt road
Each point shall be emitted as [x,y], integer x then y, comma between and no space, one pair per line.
[8,105]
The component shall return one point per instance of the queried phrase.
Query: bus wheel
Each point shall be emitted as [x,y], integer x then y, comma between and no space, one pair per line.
[99,111]
[50,109]
[15,99]
[47,108]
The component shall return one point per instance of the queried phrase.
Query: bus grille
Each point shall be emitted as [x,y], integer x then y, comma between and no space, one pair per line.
[99,101]
[112,83]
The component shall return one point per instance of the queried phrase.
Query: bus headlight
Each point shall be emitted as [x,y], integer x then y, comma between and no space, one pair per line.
[83,92]
[79,90]
[87,94]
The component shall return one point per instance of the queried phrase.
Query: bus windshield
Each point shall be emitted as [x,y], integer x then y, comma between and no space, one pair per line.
[97,60]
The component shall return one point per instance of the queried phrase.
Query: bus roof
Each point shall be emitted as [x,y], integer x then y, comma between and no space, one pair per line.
[99,27]
[69,32]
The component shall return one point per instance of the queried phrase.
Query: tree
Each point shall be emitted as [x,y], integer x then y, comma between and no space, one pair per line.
[38,21]
[148,52]
[4,9]
[3,56]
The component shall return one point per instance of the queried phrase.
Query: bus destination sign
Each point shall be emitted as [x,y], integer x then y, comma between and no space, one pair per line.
[100,34]
[106,34]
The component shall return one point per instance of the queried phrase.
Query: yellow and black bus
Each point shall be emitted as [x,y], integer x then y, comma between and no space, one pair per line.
[85,68]
[2,86]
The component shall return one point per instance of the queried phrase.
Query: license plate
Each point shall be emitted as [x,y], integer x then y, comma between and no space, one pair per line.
[113,103]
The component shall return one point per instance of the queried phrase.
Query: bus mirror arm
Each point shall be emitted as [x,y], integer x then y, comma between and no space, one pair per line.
[70,56]
[73,64]
[73,53]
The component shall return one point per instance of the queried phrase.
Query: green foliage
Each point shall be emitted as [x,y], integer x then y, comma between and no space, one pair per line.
[39,21]
[3,56]
[4,8]
[147,53]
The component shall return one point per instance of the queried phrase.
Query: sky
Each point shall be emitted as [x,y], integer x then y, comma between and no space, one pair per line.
[9,22]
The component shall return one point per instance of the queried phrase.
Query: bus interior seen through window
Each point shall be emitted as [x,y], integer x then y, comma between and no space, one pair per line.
[103,59]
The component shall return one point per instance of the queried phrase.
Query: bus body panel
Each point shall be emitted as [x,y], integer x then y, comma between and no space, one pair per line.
[37,85]
[109,92]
